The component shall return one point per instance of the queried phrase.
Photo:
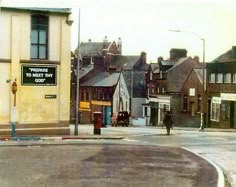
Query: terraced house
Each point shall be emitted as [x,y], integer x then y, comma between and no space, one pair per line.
[222,90]
[35,60]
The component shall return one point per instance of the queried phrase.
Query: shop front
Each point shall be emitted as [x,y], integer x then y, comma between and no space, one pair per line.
[223,111]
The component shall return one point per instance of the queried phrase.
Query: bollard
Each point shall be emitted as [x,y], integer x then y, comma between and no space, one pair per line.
[97,116]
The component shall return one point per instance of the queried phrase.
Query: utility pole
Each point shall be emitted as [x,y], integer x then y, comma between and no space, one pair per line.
[77,81]
[202,120]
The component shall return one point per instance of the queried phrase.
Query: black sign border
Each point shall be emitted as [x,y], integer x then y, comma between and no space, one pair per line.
[30,84]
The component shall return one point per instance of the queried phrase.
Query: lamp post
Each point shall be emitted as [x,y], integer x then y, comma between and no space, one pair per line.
[131,87]
[203,76]
[77,83]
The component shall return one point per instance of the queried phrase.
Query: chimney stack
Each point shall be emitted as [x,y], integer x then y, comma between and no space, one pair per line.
[176,54]
[119,45]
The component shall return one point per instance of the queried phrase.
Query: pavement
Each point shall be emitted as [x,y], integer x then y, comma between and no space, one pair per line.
[85,132]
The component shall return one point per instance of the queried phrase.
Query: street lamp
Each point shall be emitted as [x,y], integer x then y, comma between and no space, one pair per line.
[203,76]
[131,87]
[77,82]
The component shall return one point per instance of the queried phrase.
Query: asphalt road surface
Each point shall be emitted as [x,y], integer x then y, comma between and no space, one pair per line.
[102,165]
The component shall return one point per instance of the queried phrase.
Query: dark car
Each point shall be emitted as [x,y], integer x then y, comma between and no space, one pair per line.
[123,118]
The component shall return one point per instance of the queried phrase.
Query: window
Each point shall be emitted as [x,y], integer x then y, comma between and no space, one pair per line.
[185,103]
[152,90]
[87,95]
[234,78]
[160,74]
[145,111]
[39,37]
[219,78]
[212,78]
[227,78]
[163,89]
[150,75]
[225,111]
[215,111]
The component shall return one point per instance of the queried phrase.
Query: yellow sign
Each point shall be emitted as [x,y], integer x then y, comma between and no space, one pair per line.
[85,105]
[102,103]
[84,109]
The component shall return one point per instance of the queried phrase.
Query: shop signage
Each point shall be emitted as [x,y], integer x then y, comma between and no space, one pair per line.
[216,100]
[50,96]
[102,103]
[38,75]
[228,96]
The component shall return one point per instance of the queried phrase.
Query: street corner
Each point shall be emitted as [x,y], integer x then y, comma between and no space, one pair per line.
[220,174]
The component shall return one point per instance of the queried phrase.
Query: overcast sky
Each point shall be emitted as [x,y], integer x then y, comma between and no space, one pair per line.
[144,25]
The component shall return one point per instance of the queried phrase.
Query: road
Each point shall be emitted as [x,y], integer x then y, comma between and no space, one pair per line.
[213,144]
[99,165]
[146,156]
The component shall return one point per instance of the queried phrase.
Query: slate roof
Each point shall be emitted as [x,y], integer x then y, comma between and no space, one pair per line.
[102,79]
[221,67]
[54,10]
[226,57]
[108,81]
[168,62]
[177,75]
[91,49]
[154,66]
[123,62]
[140,66]
[84,70]
[199,74]
[180,61]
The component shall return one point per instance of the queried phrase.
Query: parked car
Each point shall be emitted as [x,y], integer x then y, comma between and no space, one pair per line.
[122,119]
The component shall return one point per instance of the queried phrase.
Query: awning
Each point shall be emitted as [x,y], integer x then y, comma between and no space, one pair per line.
[153,104]
[101,103]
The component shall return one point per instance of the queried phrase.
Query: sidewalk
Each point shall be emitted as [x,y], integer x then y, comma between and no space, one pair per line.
[85,131]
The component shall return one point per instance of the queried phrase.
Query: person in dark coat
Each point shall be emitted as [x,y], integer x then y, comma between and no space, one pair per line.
[168,121]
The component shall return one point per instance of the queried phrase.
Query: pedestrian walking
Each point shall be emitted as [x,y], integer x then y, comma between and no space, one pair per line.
[168,121]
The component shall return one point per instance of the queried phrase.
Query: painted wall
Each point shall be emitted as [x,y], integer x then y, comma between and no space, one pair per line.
[32,107]
[121,91]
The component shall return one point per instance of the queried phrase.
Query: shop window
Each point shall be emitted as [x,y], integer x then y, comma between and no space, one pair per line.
[145,111]
[225,112]
[212,78]
[215,112]
[227,78]
[219,78]
[39,37]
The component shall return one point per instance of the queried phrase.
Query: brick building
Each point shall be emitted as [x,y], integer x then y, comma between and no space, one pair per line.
[221,90]
[167,88]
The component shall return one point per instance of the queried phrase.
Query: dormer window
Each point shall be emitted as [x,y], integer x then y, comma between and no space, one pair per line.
[39,37]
